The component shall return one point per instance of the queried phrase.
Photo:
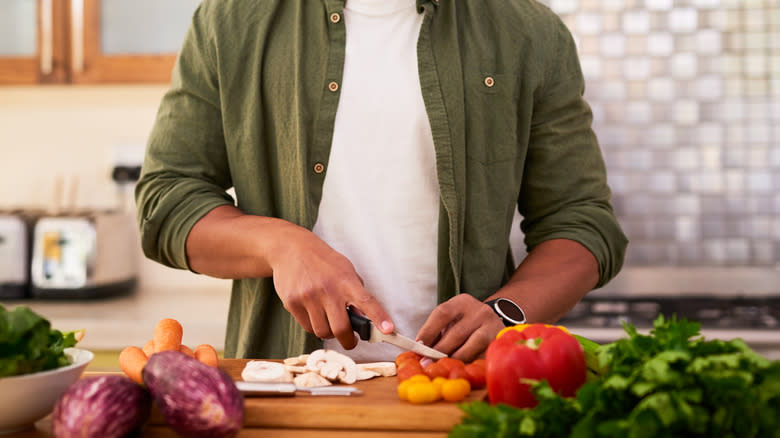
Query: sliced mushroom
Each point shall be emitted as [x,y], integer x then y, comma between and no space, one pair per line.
[265,371]
[310,379]
[296,369]
[366,374]
[384,369]
[333,366]
[297,360]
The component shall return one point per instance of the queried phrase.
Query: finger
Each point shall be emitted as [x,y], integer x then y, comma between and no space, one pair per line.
[437,323]
[319,323]
[300,315]
[341,327]
[369,305]
[454,337]
[474,346]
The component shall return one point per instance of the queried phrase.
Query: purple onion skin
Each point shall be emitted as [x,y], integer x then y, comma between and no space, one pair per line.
[101,407]
[196,400]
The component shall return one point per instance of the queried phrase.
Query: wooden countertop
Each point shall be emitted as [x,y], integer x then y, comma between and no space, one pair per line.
[377,413]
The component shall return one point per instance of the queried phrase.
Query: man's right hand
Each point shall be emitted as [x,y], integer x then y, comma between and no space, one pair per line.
[315,282]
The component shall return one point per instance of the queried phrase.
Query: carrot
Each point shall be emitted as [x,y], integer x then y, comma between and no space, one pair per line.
[149,348]
[132,361]
[186,350]
[167,335]
[207,354]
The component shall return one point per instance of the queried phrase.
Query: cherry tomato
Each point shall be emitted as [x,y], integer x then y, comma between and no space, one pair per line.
[475,374]
[454,390]
[422,392]
[406,355]
[408,370]
[435,369]
[449,363]
[439,381]
[482,363]
[420,378]
[403,389]
[458,373]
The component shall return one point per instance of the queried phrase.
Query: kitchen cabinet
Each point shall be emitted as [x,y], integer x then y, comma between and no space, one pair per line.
[91,41]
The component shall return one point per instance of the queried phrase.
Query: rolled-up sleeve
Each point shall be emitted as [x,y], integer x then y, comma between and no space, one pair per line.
[564,192]
[185,172]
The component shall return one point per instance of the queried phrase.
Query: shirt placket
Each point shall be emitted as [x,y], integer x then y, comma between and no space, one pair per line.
[446,167]
[331,91]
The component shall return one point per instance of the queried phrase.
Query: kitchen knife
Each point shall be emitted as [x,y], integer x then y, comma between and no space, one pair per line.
[368,332]
[265,389]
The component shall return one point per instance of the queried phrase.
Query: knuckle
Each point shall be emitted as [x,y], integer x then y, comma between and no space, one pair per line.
[323,333]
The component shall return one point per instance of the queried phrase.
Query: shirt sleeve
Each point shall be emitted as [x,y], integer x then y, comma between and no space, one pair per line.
[185,171]
[564,192]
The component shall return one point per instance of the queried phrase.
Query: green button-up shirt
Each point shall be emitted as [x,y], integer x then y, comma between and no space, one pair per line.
[252,105]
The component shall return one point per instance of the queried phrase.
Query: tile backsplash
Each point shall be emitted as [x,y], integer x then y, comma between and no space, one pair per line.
[686,103]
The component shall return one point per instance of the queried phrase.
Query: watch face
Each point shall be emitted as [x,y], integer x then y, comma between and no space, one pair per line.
[510,310]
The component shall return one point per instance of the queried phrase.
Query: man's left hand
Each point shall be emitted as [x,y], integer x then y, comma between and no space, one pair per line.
[461,327]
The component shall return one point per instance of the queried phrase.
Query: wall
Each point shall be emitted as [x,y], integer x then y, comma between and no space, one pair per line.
[58,145]
[686,99]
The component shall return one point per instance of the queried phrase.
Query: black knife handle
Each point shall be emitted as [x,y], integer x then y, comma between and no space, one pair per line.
[360,324]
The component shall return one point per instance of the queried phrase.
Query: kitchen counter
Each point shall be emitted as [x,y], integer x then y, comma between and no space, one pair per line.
[113,323]
[377,413]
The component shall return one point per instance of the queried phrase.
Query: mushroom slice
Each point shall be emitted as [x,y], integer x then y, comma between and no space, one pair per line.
[366,374]
[297,360]
[310,380]
[384,369]
[265,371]
[296,369]
[333,365]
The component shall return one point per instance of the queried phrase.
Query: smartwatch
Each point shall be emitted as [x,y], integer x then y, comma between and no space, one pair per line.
[509,312]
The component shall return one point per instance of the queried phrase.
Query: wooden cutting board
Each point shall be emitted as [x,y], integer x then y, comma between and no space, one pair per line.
[377,409]
[377,413]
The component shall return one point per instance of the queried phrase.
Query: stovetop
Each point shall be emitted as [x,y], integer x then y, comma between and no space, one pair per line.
[740,313]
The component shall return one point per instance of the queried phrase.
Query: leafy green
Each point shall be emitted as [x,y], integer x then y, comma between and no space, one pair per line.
[28,344]
[483,420]
[669,383]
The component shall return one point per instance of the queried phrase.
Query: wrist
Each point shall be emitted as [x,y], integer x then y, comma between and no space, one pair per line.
[509,311]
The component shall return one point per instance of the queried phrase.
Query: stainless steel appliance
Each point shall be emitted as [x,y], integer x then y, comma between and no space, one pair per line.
[728,302]
[84,255]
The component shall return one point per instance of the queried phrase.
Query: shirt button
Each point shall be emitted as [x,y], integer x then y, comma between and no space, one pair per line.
[335,17]
[333,86]
[319,168]
[489,81]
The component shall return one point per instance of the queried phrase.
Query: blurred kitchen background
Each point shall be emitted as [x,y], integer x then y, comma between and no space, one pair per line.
[686,103]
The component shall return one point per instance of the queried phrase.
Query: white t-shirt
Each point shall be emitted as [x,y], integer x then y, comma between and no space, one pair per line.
[380,201]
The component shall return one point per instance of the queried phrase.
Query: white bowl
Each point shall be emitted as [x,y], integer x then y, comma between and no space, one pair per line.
[27,398]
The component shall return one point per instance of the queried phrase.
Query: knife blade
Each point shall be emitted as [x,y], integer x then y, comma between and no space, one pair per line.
[266,389]
[367,331]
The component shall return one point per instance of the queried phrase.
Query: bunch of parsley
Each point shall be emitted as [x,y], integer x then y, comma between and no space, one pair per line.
[28,344]
[669,383]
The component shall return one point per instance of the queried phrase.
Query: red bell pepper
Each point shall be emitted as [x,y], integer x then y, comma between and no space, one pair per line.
[517,358]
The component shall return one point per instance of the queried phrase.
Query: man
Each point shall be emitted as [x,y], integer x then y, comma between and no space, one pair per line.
[378,150]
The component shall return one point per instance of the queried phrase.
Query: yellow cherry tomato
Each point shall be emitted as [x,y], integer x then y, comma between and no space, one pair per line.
[439,381]
[422,392]
[454,390]
[419,378]
[403,389]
